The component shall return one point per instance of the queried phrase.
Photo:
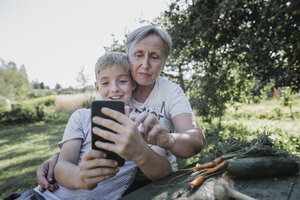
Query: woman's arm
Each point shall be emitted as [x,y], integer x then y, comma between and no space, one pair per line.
[129,144]
[186,142]
[88,174]
[188,139]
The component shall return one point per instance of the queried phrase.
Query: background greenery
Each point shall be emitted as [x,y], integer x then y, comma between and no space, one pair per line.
[25,146]
[237,61]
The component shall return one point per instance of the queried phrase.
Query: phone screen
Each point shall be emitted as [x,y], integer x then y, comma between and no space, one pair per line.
[96,111]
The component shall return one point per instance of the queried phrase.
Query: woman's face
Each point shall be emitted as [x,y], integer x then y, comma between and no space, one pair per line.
[147,59]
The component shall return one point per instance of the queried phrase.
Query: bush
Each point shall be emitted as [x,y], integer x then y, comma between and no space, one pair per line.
[29,111]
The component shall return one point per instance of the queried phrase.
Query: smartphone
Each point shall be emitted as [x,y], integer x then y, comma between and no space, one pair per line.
[96,107]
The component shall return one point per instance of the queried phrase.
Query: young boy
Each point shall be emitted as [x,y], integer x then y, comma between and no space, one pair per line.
[83,173]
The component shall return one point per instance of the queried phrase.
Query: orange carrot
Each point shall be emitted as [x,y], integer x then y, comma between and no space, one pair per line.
[205,165]
[201,177]
[214,169]
[197,181]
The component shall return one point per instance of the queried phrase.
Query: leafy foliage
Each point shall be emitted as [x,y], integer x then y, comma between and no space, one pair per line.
[14,83]
[34,110]
[232,49]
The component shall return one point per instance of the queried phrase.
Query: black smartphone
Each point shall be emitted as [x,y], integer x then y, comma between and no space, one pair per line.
[96,107]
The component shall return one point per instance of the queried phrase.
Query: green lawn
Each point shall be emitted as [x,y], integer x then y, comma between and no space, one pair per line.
[24,146]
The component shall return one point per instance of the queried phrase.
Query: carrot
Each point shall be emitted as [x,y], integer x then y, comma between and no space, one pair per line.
[197,181]
[201,177]
[214,169]
[205,165]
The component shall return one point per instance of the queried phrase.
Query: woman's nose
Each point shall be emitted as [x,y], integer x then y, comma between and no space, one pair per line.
[145,63]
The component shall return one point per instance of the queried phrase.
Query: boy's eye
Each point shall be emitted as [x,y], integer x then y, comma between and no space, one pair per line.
[124,81]
[104,83]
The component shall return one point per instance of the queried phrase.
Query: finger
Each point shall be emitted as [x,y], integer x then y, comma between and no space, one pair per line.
[108,146]
[109,124]
[140,118]
[127,110]
[50,173]
[121,118]
[41,177]
[92,154]
[90,164]
[53,187]
[97,172]
[110,136]
[149,122]
[41,189]
[95,180]
[157,129]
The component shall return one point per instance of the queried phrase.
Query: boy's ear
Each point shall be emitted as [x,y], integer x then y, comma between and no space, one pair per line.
[96,86]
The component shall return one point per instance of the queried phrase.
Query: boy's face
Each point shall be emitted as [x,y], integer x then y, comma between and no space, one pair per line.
[114,83]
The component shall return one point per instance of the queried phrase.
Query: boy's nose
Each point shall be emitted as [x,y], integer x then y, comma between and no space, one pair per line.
[115,87]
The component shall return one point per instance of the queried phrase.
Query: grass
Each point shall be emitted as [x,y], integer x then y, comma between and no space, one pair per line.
[25,146]
[69,103]
[246,121]
[22,148]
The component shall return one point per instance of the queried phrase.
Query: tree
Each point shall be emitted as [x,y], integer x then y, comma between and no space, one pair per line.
[256,41]
[14,83]
[82,78]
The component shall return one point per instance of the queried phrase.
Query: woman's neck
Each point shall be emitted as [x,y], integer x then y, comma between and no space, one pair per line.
[141,93]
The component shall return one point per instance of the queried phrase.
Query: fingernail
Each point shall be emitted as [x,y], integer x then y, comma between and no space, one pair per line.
[115,163]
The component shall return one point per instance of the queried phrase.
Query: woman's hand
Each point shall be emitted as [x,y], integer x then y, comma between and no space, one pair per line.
[128,142]
[154,132]
[44,174]
[95,168]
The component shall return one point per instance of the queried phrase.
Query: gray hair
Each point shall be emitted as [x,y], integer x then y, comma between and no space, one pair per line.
[142,32]
[111,58]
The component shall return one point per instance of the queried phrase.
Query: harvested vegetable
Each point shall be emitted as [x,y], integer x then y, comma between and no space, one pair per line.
[261,146]
[197,181]
[202,176]
[261,167]
[205,165]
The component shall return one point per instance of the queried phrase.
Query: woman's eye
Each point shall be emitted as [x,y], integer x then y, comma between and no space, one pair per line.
[138,55]
[155,57]
[123,81]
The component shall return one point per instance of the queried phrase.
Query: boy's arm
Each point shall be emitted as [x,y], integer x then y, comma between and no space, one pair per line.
[93,169]
[66,169]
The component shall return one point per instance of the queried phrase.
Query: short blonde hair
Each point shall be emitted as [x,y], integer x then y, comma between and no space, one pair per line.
[109,59]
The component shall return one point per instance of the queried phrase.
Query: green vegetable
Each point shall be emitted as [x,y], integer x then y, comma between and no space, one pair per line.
[261,167]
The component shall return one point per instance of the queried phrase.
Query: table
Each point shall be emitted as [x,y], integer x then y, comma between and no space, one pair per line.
[176,186]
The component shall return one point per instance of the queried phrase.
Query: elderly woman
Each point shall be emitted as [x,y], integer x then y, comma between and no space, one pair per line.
[148,48]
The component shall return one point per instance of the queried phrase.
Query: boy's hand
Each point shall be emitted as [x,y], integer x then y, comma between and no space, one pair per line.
[128,142]
[44,174]
[95,168]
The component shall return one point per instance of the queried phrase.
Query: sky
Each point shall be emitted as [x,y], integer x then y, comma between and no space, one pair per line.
[55,38]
